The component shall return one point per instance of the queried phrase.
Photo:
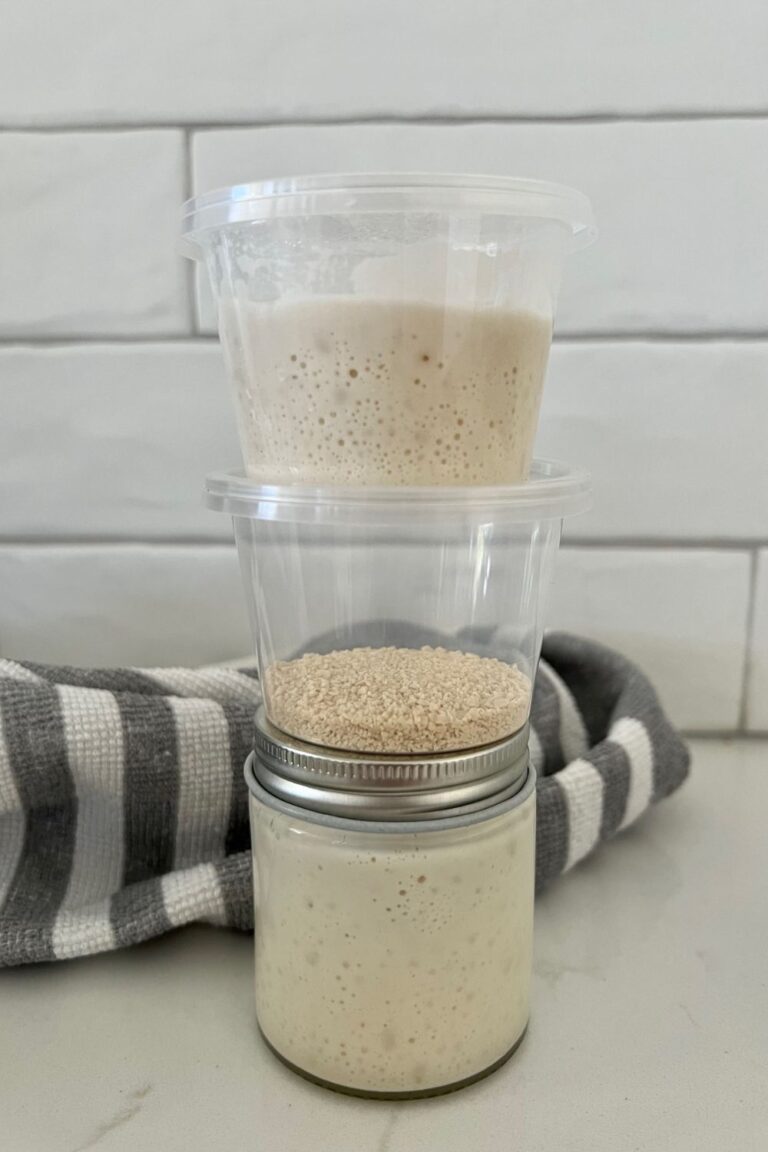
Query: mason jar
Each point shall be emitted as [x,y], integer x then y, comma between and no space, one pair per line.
[393,911]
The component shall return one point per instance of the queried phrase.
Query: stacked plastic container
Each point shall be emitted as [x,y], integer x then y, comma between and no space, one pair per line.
[387,338]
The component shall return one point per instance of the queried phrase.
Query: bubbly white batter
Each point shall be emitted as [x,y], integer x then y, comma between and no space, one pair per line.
[393,962]
[347,390]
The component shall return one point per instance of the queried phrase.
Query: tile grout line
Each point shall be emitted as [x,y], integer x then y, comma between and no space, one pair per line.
[195,266]
[746,669]
[669,116]
[189,269]
[651,335]
[118,542]
[690,543]
[618,336]
[609,544]
[16,343]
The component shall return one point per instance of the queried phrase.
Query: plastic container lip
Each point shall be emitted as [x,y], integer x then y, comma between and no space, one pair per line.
[552,492]
[358,192]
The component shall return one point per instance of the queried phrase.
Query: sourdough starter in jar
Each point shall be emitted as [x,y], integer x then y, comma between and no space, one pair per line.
[393,961]
[346,390]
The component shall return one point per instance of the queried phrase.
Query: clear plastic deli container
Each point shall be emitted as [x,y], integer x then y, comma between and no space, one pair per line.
[399,621]
[387,329]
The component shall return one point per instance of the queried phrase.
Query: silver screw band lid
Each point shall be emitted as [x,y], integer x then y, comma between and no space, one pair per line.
[365,786]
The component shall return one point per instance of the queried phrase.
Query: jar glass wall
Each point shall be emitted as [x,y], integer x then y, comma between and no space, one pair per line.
[394,958]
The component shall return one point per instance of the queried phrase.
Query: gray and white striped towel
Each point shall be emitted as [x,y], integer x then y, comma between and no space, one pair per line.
[123,810]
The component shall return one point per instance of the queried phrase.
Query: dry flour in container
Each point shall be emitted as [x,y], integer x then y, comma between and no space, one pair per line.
[397,700]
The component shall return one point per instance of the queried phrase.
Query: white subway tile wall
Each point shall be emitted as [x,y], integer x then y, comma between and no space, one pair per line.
[670,432]
[108,440]
[682,615]
[114,440]
[255,60]
[683,246]
[113,402]
[133,604]
[757,701]
[87,221]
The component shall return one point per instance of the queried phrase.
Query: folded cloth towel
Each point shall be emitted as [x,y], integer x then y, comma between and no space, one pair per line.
[123,809]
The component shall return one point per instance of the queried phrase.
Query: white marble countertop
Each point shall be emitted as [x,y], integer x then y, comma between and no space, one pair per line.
[649,1030]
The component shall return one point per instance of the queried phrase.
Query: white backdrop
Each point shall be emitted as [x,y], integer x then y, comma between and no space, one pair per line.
[113,404]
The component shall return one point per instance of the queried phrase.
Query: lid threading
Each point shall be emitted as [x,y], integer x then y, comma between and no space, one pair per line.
[369,787]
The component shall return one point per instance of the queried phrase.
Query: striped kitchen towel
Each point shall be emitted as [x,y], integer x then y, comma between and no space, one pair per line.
[123,810]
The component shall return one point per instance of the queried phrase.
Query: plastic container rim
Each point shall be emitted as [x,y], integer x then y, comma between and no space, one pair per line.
[552,492]
[351,193]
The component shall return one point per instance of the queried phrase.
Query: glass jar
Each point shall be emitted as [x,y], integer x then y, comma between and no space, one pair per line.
[393,945]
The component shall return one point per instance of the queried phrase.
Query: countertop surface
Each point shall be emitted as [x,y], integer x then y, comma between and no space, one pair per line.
[649,1029]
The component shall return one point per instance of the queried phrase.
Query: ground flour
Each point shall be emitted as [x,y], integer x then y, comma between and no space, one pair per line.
[397,700]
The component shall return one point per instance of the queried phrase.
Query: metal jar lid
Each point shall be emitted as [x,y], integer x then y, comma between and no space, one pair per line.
[369,787]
